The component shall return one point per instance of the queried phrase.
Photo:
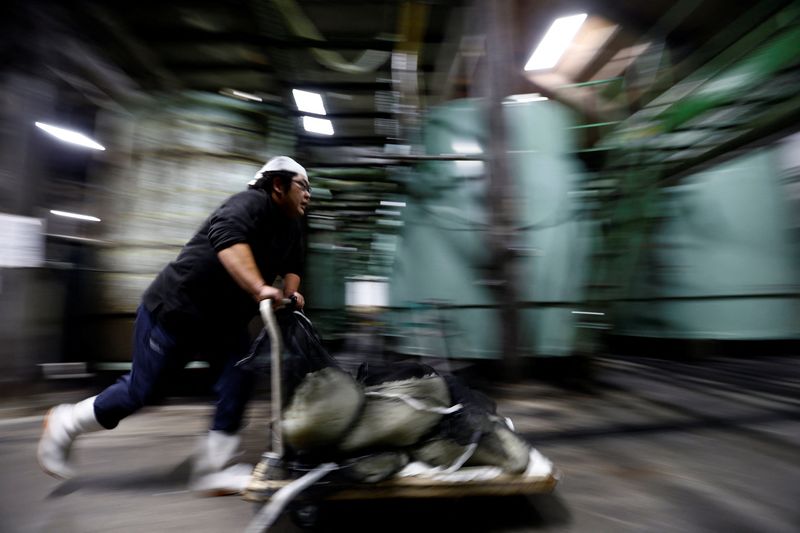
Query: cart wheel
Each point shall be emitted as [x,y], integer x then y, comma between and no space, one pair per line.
[305,516]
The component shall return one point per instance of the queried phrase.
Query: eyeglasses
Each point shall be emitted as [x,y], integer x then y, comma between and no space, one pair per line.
[303,185]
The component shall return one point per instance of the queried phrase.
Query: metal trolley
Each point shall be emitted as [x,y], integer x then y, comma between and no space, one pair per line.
[269,484]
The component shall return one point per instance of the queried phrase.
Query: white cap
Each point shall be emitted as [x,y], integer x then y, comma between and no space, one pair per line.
[280,163]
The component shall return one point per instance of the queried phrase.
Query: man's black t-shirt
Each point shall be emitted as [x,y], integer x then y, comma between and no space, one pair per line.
[194,295]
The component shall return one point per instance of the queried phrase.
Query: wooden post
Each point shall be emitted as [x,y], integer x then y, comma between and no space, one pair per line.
[499,78]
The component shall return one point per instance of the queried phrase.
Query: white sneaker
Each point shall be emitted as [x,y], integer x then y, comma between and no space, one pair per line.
[231,480]
[56,442]
[209,473]
[62,424]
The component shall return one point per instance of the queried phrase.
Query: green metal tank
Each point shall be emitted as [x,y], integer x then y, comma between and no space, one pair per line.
[440,277]
[722,264]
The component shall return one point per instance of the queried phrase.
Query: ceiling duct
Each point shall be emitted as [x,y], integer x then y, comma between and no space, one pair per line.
[368,61]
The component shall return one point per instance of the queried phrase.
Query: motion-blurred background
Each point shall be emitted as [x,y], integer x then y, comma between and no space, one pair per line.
[591,192]
[485,187]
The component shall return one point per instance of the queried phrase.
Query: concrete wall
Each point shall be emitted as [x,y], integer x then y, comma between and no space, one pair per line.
[171,163]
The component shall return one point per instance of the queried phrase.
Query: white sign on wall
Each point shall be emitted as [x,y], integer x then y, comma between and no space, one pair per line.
[367,291]
[21,241]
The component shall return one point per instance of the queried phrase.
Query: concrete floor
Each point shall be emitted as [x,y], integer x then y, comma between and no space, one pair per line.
[654,446]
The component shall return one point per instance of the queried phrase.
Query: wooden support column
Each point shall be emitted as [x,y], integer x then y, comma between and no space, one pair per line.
[501,189]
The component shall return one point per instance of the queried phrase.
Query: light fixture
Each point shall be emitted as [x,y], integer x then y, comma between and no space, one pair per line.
[241,95]
[555,42]
[389,203]
[309,102]
[532,97]
[74,215]
[70,136]
[247,96]
[323,126]
[466,146]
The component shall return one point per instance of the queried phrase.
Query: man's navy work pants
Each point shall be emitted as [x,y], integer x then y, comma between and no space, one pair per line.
[157,358]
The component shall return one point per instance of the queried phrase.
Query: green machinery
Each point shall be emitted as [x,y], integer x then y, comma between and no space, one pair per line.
[697,240]
[441,286]
[685,230]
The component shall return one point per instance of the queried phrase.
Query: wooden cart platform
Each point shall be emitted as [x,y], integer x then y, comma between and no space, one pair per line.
[260,490]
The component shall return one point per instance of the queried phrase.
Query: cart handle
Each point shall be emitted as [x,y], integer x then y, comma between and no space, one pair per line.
[268,316]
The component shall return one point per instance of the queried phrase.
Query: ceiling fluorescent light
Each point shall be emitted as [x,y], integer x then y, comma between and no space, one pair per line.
[308,102]
[74,215]
[70,136]
[555,42]
[466,146]
[246,96]
[250,97]
[532,97]
[322,126]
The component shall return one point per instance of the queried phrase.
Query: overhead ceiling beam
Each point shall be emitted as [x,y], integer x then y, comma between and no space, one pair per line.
[181,36]
[348,115]
[618,40]
[369,140]
[182,67]
[81,66]
[345,86]
[247,80]
[779,121]
[135,49]
[760,15]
